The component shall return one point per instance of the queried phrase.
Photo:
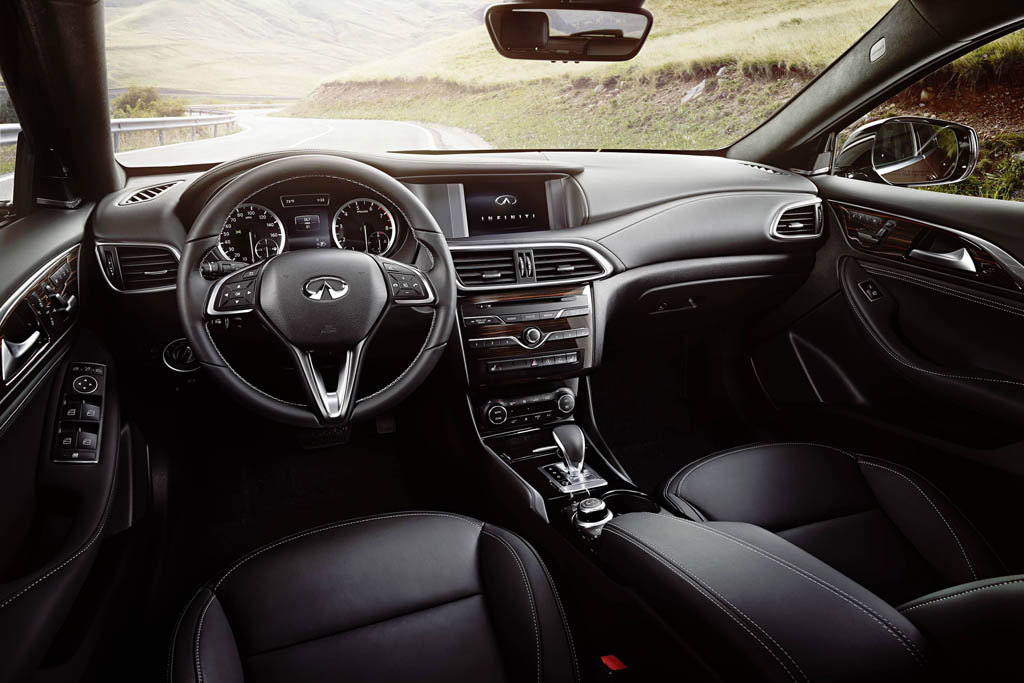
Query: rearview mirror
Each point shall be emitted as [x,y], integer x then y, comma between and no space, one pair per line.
[585,33]
[909,151]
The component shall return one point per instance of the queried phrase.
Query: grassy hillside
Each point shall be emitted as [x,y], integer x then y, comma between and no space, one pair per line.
[266,47]
[750,56]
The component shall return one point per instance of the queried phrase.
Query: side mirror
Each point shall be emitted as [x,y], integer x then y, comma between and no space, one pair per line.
[909,151]
[588,32]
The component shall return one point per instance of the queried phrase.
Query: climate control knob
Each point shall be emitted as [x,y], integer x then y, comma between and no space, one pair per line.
[497,414]
[532,335]
[566,402]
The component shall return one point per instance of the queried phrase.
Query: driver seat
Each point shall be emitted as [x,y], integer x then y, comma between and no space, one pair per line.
[408,596]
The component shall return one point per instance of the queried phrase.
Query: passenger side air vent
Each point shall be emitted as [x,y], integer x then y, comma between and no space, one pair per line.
[138,267]
[147,194]
[565,264]
[522,265]
[799,221]
[486,267]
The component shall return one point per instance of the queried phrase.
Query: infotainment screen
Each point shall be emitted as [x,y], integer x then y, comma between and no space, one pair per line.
[496,208]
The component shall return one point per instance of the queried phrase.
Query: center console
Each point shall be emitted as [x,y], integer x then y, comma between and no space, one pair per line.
[529,334]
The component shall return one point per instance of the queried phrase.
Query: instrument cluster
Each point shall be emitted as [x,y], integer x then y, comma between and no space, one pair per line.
[274,222]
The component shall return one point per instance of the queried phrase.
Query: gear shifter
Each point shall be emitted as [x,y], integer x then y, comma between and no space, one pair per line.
[571,444]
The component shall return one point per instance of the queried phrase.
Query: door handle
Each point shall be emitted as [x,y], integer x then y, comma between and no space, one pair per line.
[13,355]
[957,260]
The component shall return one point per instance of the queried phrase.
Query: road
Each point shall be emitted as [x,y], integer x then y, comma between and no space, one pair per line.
[264,133]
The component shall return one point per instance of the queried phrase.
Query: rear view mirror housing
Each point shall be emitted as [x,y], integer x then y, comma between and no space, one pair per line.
[909,151]
[580,32]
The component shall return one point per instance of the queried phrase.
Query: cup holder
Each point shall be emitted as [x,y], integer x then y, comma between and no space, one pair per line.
[624,501]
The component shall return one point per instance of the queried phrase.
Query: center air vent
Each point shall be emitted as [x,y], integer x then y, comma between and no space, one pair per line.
[525,265]
[800,221]
[138,267]
[147,194]
[759,167]
[482,268]
[563,264]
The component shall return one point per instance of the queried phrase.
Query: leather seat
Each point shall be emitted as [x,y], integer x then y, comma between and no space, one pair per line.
[413,596]
[881,524]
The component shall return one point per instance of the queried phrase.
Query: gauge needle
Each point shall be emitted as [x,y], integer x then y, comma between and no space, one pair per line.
[366,237]
[252,249]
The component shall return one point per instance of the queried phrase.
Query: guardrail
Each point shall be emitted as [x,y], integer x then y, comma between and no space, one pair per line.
[9,131]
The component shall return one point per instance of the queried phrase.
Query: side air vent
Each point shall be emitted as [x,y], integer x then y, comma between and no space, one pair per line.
[565,264]
[138,267]
[797,222]
[147,194]
[525,265]
[484,268]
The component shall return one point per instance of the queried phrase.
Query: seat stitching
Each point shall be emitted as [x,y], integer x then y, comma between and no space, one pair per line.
[710,459]
[561,611]
[617,531]
[475,524]
[891,628]
[999,306]
[529,594]
[957,595]
[199,637]
[177,626]
[351,629]
[963,552]
[899,359]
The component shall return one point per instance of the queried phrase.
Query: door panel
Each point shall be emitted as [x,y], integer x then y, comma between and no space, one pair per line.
[928,348]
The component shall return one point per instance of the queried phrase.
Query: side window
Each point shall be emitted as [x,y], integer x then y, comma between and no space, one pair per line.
[8,149]
[983,90]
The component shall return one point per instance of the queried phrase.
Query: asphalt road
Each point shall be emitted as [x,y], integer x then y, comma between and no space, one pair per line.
[263,133]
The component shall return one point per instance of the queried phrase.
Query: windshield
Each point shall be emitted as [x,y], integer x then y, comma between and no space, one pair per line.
[194,81]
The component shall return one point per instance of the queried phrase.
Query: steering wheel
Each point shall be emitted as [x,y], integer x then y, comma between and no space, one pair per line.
[323,305]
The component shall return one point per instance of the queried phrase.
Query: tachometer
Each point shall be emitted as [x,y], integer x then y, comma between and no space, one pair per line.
[252,233]
[364,225]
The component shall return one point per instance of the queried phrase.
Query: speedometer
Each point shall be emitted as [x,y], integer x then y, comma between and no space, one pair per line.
[252,233]
[364,225]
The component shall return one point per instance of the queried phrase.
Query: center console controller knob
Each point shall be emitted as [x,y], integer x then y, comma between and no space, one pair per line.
[532,335]
[497,414]
[591,515]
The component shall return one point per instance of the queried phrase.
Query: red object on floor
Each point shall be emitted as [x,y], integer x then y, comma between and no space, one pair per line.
[613,663]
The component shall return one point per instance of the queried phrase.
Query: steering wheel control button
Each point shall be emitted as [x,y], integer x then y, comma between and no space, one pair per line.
[85,384]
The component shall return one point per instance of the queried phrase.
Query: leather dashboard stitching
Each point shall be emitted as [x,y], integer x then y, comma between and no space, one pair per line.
[960,593]
[891,628]
[963,552]
[885,347]
[685,576]
[972,298]
[529,595]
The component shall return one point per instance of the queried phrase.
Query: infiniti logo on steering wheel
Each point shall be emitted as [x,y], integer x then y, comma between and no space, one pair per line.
[325,288]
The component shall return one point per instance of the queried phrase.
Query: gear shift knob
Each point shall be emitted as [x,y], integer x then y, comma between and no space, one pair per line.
[571,444]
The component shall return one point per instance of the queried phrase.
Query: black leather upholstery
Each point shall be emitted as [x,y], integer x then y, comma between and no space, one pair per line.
[882,525]
[980,625]
[412,596]
[740,590]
